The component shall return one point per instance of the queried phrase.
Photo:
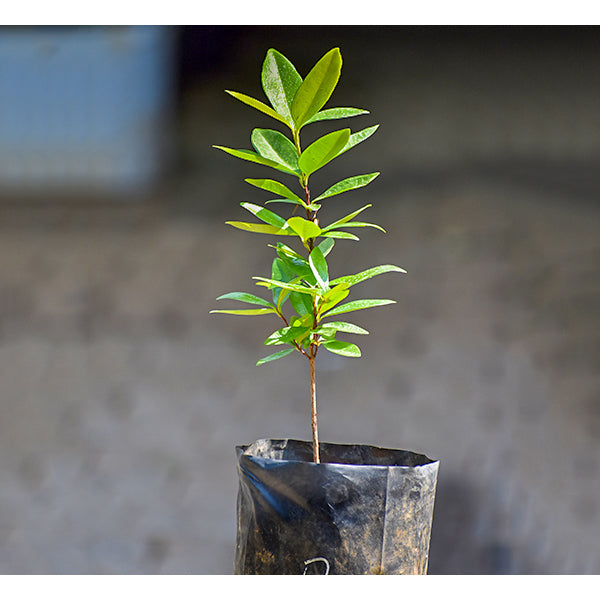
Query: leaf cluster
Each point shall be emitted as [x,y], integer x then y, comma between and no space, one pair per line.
[303,295]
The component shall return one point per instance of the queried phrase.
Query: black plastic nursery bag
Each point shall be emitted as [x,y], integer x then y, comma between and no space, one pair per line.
[362,510]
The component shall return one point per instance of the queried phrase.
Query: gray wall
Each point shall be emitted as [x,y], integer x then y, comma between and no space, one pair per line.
[122,399]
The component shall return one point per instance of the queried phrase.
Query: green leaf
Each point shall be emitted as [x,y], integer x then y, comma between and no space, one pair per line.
[287,335]
[302,321]
[363,275]
[256,158]
[245,297]
[264,214]
[275,339]
[276,188]
[334,296]
[304,228]
[258,105]
[323,150]
[286,201]
[337,113]
[326,246]
[275,146]
[342,235]
[301,303]
[346,218]
[318,265]
[280,82]
[283,296]
[346,185]
[275,356]
[359,136]
[343,348]
[334,326]
[247,311]
[280,272]
[294,287]
[282,249]
[316,88]
[295,262]
[356,224]
[258,228]
[357,305]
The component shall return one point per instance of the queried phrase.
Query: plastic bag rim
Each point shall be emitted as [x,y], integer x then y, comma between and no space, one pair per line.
[242,449]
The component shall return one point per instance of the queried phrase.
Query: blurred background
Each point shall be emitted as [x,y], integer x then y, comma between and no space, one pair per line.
[121,399]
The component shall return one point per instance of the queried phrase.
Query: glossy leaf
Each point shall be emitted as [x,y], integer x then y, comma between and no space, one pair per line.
[283,296]
[304,228]
[294,287]
[316,88]
[276,337]
[256,158]
[295,262]
[323,150]
[334,296]
[342,348]
[347,218]
[282,249]
[356,224]
[280,82]
[367,274]
[258,105]
[245,297]
[275,146]
[357,305]
[334,326]
[359,136]
[264,214]
[259,228]
[286,201]
[346,185]
[275,187]
[303,321]
[301,303]
[280,272]
[326,246]
[300,334]
[247,311]
[337,113]
[275,356]
[287,335]
[342,235]
[318,265]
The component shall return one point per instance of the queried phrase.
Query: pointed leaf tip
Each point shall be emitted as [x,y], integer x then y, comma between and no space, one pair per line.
[275,356]
[317,87]
[342,348]
[318,265]
[323,150]
[280,82]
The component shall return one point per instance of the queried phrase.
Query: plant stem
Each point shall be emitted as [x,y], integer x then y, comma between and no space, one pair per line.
[313,408]
[312,353]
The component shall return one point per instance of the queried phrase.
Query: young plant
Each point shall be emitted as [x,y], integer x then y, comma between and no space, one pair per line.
[304,295]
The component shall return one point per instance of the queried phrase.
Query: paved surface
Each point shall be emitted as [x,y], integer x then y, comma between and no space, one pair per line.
[122,399]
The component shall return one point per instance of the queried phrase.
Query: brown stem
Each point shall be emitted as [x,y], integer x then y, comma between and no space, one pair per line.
[311,354]
[307,199]
[313,408]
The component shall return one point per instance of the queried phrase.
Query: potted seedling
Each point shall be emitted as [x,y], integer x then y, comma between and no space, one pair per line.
[314,507]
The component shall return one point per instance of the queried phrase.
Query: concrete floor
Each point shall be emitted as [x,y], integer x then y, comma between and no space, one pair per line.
[122,399]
